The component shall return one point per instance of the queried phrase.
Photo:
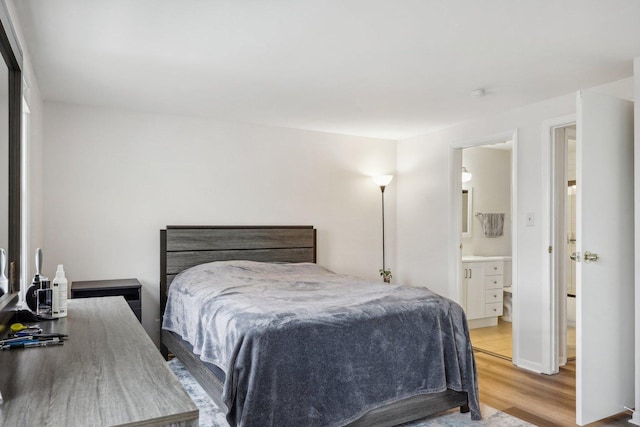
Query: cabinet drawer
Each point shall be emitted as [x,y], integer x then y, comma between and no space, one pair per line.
[493,295]
[493,282]
[492,268]
[493,309]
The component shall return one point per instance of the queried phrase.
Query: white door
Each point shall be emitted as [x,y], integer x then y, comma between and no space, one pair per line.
[605,316]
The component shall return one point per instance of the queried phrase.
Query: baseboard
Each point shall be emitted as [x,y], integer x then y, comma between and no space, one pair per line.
[529,366]
[635,419]
[483,323]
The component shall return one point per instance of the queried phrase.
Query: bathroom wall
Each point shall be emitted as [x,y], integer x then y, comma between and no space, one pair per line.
[491,184]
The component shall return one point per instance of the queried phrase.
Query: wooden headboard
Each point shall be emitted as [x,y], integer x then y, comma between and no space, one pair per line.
[182,247]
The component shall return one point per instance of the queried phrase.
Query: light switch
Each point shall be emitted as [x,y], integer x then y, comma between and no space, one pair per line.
[531,219]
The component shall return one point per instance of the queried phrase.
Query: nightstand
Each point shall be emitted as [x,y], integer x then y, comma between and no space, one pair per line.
[128,288]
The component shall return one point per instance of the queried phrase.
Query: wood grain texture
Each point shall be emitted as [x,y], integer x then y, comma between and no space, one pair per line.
[109,372]
[210,239]
[412,408]
[209,382]
[543,400]
[178,261]
[92,285]
[182,247]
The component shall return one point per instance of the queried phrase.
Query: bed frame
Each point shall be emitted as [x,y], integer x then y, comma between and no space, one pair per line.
[182,247]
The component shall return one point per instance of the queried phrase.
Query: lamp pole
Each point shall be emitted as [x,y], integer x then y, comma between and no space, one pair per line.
[382,187]
[383,181]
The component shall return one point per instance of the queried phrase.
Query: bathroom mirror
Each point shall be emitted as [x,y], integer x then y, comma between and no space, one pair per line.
[10,152]
[467,208]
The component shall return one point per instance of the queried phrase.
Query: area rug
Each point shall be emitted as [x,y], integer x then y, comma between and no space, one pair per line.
[212,416]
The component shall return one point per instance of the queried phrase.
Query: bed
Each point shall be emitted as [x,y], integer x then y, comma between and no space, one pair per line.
[260,384]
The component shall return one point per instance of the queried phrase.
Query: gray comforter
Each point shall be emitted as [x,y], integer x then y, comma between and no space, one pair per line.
[302,346]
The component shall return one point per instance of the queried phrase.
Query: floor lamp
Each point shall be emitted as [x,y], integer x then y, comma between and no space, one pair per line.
[383,181]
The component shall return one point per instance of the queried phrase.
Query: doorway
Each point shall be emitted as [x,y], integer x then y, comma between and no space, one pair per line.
[564,216]
[604,252]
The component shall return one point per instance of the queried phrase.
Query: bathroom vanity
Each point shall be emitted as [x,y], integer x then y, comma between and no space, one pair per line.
[483,283]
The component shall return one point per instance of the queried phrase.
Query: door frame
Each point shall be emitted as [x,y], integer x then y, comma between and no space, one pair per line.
[551,321]
[455,212]
[636,178]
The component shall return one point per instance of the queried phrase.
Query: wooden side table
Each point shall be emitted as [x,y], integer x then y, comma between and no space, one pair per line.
[130,289]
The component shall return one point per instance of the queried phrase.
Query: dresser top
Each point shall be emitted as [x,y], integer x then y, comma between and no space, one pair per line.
[107,373]
[105,284]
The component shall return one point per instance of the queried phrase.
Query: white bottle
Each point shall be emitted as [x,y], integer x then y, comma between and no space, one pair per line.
[59,294]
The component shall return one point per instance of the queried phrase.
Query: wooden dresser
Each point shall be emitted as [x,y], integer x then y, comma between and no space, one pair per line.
[107,373]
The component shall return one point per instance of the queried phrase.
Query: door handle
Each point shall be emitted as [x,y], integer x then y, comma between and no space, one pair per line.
[590,256]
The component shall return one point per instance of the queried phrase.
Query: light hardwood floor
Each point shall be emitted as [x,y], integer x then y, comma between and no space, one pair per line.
[543,400]
[497,340]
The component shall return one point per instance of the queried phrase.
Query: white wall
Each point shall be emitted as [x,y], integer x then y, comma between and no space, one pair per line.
[114,178]
[491,184]
[424,232]
[34,182]
[425,239]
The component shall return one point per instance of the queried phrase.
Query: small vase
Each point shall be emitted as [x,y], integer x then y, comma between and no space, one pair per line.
[386,279]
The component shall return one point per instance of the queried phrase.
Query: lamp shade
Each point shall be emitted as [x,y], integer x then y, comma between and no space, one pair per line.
[466,175]
[382,180]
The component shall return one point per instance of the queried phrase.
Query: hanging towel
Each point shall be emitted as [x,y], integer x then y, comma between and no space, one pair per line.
[492,224]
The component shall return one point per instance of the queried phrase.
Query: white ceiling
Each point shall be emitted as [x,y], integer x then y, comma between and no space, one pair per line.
[380,68]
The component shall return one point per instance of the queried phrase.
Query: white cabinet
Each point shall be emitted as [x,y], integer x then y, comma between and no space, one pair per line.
[493,284]
[482,286]
[473,274]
